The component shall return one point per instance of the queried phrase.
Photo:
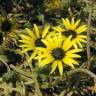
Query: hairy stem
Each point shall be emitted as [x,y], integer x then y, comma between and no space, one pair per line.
[8,68]
[79,70]
[74,72]
[29,75]
[88,39]
[34,77]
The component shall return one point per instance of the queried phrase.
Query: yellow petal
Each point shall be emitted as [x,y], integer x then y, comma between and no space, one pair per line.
[26,45]
[52,34]
[43,54]
[36,31]
[73,51]
[45,31]
[67,43]
[40,56]
[50,40]
[60,40]
[81,29]
[26,41]
[67,25]
[73,56]
[25,37]
[72,24]
[81,40]
[48,44]
[82,36]
[26,49]
[56,42]
[45,61]
[42,49]
[60,67]
[77,23]
[58,29]
[30,33]
[72,61]
[54,65]
[68,62]
[33,55]
[72,21]
[80,45]
[75,45]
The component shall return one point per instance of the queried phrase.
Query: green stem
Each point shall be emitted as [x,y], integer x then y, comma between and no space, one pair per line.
[29,75]
[34,77]
[79,70]
[88,39]
[8,68]
[76,71]
[36,83]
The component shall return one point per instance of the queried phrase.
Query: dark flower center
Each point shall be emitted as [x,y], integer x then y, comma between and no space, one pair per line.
[58,53]
[39,43]
[6,26]
[70,32]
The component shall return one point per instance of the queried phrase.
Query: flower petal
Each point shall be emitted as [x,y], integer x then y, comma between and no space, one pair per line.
[58,29]
[60,67]
[75,45]
[81,29]
[66,23]
[26,41]
[81,40]
[72,21]
[77,23]
[69,62]
[80,45]
[73,51]
[54,65]
[27,45]
[26,49]
[36,31]
[67,43]
[46,61]
[45,31]
[48,44]
[33,55]
[73,56]
[82,36]
[30,33]
[25,37]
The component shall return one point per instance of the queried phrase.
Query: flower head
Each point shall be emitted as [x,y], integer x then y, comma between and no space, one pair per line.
[32,39]
[58,53]
[8,27]
[7,24]
[73,28]
[52,4]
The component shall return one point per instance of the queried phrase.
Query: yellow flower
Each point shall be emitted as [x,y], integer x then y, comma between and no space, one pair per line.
[52,4]
[8,27]
[58,53]
[73,28]
[32,39]
[7,24]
